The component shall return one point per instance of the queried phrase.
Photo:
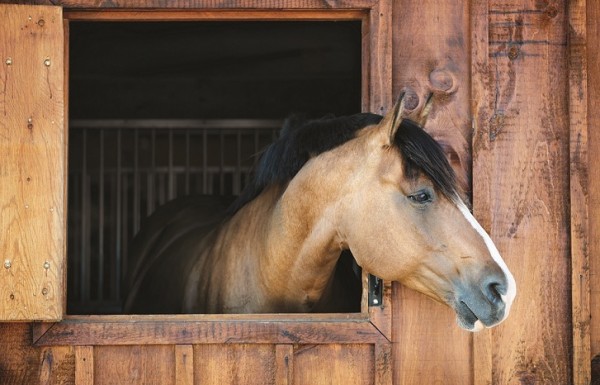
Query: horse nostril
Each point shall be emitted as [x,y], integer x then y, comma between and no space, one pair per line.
[494,290]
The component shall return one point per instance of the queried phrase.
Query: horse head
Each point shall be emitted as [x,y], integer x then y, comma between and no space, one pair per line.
[415,227]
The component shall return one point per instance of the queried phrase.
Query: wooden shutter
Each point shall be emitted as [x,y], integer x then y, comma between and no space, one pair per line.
[32,163]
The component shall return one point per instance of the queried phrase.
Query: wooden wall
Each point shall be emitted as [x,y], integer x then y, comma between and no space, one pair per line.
[516,106]
[593,180]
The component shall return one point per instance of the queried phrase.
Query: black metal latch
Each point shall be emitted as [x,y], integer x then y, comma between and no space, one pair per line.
[375,291]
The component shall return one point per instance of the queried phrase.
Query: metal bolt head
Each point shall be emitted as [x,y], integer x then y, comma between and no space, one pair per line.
[46,265]
[45,291]
[7,263]
[8,61]
[47,62]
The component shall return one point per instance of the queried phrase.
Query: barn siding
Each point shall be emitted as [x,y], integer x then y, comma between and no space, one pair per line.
[521,183]
[593,62]
[518,96]
[431,54]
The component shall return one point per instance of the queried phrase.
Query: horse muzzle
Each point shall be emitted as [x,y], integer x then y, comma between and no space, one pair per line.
[483,304]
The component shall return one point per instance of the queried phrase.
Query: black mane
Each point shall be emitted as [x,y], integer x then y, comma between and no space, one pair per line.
[301,140]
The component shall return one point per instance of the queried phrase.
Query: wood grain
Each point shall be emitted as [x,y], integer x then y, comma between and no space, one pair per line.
[593,62]
[431,55]
[134,365]
[578,123]
[84,365]
[32,171]
[521,183]
[21,363]
[284,364]
[98,333]
[333,364]
[234,364]
[208,4]
[184,364]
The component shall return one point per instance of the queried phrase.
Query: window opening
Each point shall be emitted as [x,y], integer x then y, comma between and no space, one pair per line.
[160,110]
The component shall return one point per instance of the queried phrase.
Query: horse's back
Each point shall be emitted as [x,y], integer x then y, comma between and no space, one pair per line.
[168,244]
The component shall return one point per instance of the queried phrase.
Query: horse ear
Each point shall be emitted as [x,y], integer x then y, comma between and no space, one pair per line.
[425,111]
[391,122]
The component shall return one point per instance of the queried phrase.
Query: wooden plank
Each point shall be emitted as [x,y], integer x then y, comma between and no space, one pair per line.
[32,172]
[334,364]
[284,361]
[22,363]
[578,112]
[222,15]
[84,365]
[422,350]
[208,4]
[482,342]
[381,316]
[159,332]
[593,63]
[521,183]
[383,364]
[235,364]
[134,365]
[184,364]
[431,55]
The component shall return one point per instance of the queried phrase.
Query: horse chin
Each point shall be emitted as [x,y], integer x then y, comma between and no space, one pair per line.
[466,319]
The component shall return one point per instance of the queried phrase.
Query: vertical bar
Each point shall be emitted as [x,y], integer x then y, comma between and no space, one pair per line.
[579,187]
[119,215]
[100,295]
[84,266]
[284,364]
[84,365]
[237,180]
[187,162]
[184,364]
[221,162]
[136,182]
[204,161]
[152,175]
[171,181]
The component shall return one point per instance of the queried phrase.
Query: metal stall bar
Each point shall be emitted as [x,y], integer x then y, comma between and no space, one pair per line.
[100,287]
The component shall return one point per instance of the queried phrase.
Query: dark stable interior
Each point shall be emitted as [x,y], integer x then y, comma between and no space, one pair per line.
[175,71]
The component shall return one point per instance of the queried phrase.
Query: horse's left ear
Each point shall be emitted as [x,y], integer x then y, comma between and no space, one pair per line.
[392,120]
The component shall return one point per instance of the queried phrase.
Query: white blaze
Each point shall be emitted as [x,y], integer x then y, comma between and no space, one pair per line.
[511,289]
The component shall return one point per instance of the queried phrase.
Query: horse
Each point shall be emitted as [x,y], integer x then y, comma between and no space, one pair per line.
[378,188]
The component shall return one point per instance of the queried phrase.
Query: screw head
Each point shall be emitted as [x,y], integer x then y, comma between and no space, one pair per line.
[47,62]
[46,265]
[7,263]
[8,61]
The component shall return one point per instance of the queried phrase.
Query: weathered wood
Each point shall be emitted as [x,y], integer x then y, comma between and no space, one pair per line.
[207,4]
[134,365]
[73,332]
[22,363]
[482,342]
[222,15]
[32,171]
[593,63]
[284,364]
[521,184]
[84,365]
[235,364]
[578,111]
[431,55]
[383,364]
[184,364]
[381,316]
[334,364]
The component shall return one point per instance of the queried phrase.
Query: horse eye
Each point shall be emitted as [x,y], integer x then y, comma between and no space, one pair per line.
[420,197]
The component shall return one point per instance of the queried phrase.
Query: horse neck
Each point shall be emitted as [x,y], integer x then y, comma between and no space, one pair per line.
[302,244]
